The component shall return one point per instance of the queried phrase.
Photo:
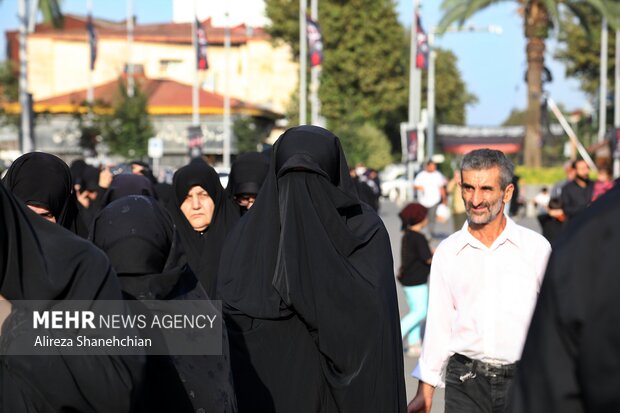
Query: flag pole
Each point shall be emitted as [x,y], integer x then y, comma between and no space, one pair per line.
[90,93]
[195,95]
[27,142]
[130,80]
[303,57]
[602,120]
[314,75]
[227,134]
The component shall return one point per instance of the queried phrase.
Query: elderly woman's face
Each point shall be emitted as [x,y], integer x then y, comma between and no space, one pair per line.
[198,208]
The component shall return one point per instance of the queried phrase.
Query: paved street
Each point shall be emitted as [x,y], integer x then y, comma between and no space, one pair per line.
[389,214]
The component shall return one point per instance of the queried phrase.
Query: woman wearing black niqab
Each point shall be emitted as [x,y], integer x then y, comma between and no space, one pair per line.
[127,184]
[142,243]
[204,228]
[40,260]
[43,182]
[307,284]
[247,175]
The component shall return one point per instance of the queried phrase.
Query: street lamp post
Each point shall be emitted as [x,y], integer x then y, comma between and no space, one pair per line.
[431,76]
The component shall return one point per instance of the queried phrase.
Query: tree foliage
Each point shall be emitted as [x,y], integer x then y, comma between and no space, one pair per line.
[9,92]
[580,51]
[364,142]
[129,127]
[365,70]
[539,17]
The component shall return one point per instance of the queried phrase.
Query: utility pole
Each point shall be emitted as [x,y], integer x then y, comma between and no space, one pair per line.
[303,59]
[602,113]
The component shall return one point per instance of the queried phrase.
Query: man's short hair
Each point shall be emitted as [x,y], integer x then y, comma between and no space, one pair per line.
[487,159]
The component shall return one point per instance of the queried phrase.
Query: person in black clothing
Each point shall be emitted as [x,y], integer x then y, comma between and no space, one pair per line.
[204,215]
[43,182]
[571,358]
[307,285]
[413,273]
[40,260]
[247,175]
[577,194]
[144,248]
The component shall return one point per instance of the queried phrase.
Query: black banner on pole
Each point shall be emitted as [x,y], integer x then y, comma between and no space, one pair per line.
[194,135]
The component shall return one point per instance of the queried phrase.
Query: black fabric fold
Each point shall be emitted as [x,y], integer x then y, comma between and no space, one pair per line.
[40,260]
[44,180]
[144,248]
[306,279]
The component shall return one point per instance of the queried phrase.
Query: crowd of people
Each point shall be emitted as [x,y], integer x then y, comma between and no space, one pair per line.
[296,252]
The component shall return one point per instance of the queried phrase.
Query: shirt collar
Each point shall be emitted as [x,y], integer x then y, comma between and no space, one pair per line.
[510,233]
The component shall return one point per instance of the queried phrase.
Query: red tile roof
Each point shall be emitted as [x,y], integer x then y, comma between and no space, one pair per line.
[165,97]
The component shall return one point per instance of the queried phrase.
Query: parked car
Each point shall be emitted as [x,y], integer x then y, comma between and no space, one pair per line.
[396,189]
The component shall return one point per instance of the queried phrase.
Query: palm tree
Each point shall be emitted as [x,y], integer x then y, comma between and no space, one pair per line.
[539,17]
[27,15]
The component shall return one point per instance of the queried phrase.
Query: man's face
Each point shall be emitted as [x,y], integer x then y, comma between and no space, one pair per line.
[483,196]
[582,170]
[198,208]
[431,167]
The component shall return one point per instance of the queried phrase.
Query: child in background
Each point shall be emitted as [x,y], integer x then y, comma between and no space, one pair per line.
[413,274]
[604,182]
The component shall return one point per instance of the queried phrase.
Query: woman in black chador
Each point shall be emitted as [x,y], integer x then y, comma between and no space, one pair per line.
[40,260]
[43,182]
[307,284]
[204,215]
[142,243]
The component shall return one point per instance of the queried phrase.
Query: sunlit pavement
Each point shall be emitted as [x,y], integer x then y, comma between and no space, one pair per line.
[389,213]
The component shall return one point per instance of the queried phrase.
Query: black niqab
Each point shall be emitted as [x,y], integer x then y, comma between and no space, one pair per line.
[42,261]
[127,184]
[306,279]
[44,180]
[141,241]
[203,250]
[247,174]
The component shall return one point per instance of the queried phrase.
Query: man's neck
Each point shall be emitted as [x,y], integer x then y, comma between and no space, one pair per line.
[488,233]
[581,182]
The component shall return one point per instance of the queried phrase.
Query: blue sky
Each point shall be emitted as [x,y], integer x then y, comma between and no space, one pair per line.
[493,66]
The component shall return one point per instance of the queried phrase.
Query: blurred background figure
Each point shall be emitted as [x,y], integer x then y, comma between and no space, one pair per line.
[430,184]
[246,178]
[413,274]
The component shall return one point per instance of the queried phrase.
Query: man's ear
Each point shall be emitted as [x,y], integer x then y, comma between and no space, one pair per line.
[508,193]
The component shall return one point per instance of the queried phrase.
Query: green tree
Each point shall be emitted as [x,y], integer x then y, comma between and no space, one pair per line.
[365,73]
[250,132]
[9,93]
[539,16]
[364,142]
[129,127]
[580,51]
